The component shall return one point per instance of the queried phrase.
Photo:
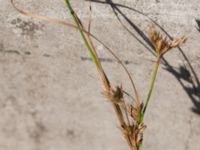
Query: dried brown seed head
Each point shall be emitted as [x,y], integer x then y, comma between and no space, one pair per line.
[115,95]
[162,45]
[140,132]
[177,43]
[135,111]
[134,133]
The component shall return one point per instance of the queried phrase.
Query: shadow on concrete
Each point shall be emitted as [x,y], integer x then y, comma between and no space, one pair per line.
[192,89]
[108,60]
[186,76]
[198,24]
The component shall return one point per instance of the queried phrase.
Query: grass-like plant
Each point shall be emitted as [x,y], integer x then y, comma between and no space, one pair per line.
[129,116]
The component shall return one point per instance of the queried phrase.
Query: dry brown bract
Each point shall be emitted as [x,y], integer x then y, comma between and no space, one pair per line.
[130,124]
[162,44]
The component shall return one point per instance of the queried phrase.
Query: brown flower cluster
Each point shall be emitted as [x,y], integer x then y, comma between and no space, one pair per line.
[162,44]
[129,116]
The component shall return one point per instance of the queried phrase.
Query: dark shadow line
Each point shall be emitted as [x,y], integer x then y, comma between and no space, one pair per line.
[198,24]
[108,60]
[117,5]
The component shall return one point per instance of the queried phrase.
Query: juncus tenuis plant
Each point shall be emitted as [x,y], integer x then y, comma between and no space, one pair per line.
[129,116]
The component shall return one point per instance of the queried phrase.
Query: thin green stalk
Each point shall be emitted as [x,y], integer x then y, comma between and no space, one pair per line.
[80,28]
[87,43]
[149,95]
[150,89]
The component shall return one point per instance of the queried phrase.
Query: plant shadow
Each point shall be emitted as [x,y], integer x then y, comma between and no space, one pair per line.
[198,24]
[185,75]
[192,89]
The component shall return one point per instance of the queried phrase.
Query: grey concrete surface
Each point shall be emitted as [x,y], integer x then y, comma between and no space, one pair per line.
[50,95]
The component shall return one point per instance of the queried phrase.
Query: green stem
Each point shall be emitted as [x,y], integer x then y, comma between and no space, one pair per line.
[140,147]
[150,89]
[87,43]
[80,27]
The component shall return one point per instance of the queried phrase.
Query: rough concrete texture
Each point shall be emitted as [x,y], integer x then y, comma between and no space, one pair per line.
[50,95]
